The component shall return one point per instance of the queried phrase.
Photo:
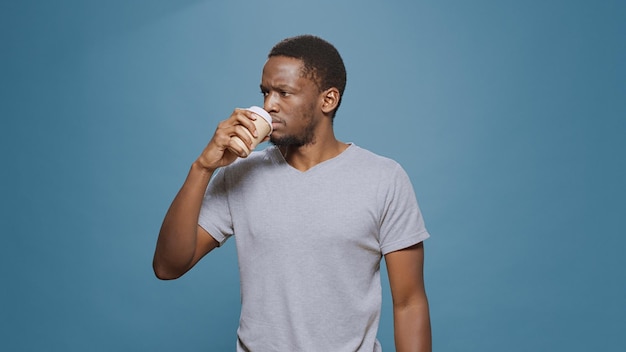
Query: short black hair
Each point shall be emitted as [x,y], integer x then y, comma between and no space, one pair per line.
[321,61]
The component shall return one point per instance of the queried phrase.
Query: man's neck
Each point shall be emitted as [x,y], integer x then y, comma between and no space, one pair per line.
[305,157]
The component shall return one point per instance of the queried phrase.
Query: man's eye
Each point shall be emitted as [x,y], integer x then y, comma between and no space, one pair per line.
[284,94]
[264,93]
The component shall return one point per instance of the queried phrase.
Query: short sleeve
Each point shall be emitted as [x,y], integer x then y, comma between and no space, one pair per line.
[402,224]
[215,215]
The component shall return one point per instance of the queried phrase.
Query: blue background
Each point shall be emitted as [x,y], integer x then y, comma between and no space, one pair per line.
[509,117]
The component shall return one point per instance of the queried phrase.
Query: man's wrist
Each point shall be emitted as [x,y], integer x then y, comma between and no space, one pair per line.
[197,166]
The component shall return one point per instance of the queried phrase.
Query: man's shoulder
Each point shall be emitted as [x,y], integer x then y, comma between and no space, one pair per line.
[373,159]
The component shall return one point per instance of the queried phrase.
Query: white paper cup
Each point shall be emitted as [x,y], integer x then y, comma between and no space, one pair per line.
[263,128]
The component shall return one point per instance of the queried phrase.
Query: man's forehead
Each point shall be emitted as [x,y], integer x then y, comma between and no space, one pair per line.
[283,63]
[285,67]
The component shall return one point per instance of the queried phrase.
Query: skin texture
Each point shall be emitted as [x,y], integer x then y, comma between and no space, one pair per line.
[303,131]
[411,316]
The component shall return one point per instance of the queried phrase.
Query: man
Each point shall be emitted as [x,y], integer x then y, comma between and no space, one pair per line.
[312,217]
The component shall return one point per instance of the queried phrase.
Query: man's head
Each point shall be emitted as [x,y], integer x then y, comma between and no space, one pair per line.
[321,61]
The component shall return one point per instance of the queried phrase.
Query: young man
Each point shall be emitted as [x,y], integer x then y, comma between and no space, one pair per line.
[312,217]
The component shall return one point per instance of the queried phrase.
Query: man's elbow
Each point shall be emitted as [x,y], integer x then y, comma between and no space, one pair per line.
[413,302]
[162,272]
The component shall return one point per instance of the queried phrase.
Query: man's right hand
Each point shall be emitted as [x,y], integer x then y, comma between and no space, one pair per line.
[222,150]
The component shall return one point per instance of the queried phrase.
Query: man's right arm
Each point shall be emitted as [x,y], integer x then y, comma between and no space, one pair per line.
[182,242]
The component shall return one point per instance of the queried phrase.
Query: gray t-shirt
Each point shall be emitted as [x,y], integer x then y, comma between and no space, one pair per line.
[309,245]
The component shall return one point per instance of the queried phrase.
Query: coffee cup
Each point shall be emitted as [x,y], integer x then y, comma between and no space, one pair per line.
[263,125]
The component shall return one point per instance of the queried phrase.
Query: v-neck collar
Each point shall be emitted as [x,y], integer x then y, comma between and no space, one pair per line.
[279,159]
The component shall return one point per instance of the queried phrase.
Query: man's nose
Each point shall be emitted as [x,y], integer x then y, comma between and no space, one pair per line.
[270,104]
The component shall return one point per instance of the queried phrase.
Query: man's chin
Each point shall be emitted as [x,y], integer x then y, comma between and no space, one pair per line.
[286,142]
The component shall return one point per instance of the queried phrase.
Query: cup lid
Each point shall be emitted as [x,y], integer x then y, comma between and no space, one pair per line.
[264,114]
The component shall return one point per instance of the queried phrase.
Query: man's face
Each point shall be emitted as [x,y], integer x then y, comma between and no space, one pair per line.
[293,101]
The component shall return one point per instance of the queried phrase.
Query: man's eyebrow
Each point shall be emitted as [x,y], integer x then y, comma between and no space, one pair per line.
[277,87]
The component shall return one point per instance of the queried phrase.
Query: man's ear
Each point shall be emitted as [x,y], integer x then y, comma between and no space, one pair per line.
[330,100]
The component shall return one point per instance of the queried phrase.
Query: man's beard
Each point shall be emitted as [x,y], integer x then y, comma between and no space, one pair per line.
[306,137]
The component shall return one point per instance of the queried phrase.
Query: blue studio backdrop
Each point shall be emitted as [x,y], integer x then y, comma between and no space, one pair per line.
[509,117]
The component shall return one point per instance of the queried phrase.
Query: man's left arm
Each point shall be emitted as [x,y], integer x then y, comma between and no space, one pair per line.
[410,305]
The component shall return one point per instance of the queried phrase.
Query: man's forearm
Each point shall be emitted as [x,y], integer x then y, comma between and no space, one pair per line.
[412,328]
